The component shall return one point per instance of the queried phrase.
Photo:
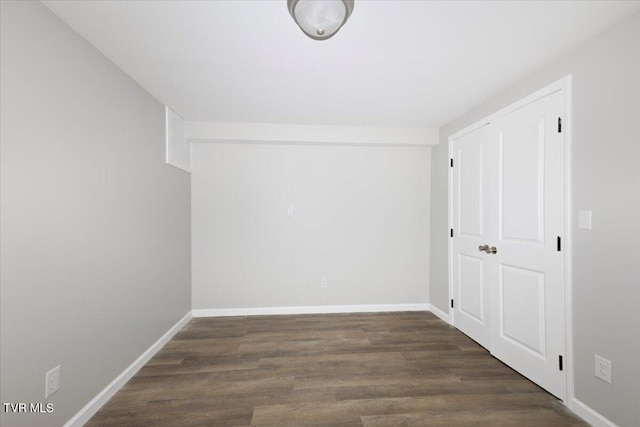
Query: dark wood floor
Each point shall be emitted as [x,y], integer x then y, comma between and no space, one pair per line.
[382,369]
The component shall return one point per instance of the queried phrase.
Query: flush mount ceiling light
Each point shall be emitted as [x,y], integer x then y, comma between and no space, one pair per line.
[320,19]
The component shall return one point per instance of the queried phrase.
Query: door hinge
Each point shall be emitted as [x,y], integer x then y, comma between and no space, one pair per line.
[560,362]
[559,124]
[559,244]
[451,162]
[451,303]
[451,232]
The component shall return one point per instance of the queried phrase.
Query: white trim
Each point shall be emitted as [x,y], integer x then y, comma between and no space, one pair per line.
[568,242]
[107,393]
[548,90]
[208,132]
[590,415]
[319,309]
[441,314]
[167,115]
[452,315]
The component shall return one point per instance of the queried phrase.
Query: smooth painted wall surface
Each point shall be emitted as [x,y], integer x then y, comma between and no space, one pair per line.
[95,243]
[310,134]
[361,219]
[178,149]
[606,180]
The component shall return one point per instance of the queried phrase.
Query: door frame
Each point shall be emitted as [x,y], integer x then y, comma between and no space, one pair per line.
[564,85]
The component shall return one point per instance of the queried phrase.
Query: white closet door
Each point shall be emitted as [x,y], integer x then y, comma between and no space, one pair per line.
[508,217]
[472,227]
[528,297]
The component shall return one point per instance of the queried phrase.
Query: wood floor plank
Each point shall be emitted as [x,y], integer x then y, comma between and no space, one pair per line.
[424,388]
[502,418]
[371,369]
[342,411]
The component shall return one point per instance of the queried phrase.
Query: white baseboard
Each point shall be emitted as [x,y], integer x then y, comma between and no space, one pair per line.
[441,314]
[590,415]
[107,393]
[320,309]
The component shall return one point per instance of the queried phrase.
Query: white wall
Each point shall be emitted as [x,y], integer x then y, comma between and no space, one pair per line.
[606,179]
[309,134]
[178,149]
[361,219]
[95,245]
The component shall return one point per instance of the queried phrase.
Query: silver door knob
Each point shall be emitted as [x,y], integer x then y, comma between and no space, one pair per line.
[487,249]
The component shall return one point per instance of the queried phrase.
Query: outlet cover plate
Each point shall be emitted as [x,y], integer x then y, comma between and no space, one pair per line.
[584,220]
[52,381]
[602,368]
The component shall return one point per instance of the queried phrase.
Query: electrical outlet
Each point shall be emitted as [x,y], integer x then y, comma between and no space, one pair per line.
[602,369]
[52,381]
[324,282]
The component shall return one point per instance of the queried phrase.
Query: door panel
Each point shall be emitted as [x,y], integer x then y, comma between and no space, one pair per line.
[470,184]
[522,308]
[522,181]
[529,330]
[470,274]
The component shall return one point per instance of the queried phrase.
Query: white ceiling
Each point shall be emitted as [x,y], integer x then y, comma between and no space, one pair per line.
[394,63]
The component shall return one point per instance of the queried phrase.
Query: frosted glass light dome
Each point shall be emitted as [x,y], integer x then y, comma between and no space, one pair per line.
[320,19]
